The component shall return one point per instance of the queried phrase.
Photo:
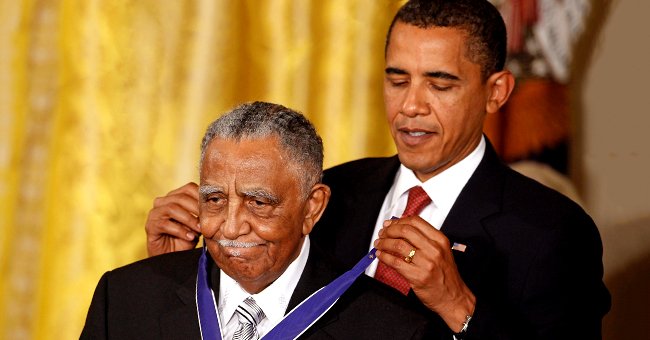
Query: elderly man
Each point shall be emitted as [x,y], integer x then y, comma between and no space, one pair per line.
[260,196]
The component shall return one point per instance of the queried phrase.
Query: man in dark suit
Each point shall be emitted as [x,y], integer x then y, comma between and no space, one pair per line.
[260,196]
[493,254]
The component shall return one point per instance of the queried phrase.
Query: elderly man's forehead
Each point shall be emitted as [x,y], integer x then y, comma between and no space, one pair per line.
[264,156]
[258,147]
[263,139]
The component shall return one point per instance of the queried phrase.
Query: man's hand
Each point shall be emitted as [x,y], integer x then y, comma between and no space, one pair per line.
[172,223]
[432,273]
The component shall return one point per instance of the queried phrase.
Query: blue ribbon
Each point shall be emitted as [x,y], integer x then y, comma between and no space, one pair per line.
[293,324]
[310,310]
[206,306]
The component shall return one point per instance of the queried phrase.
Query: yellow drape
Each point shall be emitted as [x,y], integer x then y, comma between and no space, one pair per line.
[103,104]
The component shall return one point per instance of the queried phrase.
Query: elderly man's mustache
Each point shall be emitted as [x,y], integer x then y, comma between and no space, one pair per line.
[237,244]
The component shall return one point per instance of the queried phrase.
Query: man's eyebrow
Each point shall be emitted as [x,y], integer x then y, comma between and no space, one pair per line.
[207,190]
[441,75]
[394,70]
[261,193]
[432,74]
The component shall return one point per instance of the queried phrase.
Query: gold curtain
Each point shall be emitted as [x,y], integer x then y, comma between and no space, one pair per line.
[103,104]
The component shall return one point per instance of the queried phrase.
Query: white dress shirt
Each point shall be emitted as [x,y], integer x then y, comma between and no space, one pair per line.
[273,300]
[443,189]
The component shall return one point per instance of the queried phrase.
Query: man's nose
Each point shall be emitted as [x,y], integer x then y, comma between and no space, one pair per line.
[415,101]
[235,223]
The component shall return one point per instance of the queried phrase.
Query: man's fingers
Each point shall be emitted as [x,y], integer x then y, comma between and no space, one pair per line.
[172,219]
[180,207]
[166,244]
[415,231]
[170,228]
[172,223]
[188,202]
[181,215]
[395,246]
[191,189]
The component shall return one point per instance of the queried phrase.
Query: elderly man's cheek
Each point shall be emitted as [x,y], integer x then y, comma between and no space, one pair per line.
[209,226]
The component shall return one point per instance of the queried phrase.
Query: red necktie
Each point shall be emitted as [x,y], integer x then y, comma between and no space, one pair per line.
[417,200]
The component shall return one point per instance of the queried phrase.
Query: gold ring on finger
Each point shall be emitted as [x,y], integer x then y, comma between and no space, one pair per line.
[409,257]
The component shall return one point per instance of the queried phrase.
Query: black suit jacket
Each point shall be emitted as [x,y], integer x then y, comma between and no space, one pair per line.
[533,258]
[155,299]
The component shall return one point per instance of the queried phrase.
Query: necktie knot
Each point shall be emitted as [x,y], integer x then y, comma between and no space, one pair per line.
[417,200]
[249,314]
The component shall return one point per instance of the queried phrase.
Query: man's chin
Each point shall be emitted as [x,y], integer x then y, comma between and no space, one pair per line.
[423,169]
[250,278]
[239,268]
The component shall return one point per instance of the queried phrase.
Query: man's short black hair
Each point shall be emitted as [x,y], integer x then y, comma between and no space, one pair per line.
[486,31]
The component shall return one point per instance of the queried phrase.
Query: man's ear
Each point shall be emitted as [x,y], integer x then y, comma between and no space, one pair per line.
[500,85]
[315,206]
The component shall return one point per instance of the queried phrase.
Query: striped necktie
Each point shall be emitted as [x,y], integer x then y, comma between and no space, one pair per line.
[249,314]
[417,200]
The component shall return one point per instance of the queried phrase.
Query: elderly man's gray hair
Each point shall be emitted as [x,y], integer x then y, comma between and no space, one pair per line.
[296,134]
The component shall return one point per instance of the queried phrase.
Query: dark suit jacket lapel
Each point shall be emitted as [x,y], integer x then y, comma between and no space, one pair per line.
[356,201]
[481,197]
[317,274]
[480,200]
[367,197]
[181,320]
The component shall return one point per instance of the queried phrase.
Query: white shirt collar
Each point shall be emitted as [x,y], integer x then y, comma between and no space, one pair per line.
[273,300]
[443,189]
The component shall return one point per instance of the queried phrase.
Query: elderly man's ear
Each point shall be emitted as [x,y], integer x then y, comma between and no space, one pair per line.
[315,206]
